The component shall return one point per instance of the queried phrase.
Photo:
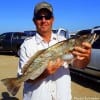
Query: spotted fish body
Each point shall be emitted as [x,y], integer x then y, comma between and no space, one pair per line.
[38,62]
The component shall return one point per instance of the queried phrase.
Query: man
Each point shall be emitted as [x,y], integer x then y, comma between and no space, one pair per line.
[55,82]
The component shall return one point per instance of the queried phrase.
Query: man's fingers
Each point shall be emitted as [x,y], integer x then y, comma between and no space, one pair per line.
[54,65]
[82,52]
[86,45]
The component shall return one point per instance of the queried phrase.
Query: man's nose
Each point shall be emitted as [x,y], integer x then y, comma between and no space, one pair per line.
[43,19]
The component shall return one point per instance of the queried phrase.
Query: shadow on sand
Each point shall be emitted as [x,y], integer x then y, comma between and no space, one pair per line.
[6,96]
[86,82]
[8,53]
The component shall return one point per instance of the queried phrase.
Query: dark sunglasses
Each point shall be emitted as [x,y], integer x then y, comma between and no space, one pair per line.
[47,17]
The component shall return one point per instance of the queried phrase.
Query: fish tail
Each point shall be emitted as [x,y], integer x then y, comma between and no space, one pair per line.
[12,85]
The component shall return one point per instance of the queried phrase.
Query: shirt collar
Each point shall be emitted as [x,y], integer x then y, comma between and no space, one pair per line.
[39,39]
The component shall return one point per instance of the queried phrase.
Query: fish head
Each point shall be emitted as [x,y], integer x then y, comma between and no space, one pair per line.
[77,41]
[90,38]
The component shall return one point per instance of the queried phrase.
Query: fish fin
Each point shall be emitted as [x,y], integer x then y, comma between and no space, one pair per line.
[12,85]
[26,66]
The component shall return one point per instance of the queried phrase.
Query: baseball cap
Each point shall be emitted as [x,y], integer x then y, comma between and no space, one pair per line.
[43,5]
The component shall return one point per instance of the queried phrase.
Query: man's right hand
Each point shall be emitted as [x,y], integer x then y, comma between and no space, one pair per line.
[53,66]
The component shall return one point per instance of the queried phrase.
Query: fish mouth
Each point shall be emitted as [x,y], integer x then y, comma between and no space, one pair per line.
[94,38]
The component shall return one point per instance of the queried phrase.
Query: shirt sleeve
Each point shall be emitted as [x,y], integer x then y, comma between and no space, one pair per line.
[65,65]
[23,58]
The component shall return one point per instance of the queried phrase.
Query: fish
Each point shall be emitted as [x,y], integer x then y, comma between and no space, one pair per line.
[36,65]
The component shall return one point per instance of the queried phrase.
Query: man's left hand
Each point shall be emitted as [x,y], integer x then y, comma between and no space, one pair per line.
[82,55]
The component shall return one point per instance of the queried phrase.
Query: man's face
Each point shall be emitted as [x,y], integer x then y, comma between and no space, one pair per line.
[44,21]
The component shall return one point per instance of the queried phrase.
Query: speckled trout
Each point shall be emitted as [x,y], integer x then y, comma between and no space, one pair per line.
[39,61]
